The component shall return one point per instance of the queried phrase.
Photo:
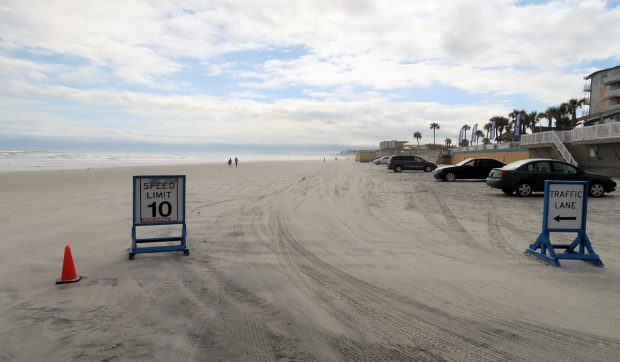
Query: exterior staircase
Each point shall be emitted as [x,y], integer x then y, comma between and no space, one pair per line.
[566,155]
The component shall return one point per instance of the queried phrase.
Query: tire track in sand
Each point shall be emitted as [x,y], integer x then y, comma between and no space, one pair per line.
[371,303]
[440,333]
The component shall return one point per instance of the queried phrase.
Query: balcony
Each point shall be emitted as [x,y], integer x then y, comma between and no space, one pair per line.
[614,78]
[587,101]
[587,87]
[612,94]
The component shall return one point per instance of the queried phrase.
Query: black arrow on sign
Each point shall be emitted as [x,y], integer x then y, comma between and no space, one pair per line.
[560,218]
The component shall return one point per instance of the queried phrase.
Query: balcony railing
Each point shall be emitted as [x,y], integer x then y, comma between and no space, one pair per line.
[587,87]
[490,146]
[590,133]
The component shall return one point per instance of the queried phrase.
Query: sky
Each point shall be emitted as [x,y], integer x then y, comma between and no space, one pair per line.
[286,76]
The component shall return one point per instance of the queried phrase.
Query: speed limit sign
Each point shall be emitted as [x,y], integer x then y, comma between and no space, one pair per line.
[158,200]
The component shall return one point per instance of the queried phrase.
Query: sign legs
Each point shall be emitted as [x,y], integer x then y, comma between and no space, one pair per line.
[548,254]
[544,244]
[156,249]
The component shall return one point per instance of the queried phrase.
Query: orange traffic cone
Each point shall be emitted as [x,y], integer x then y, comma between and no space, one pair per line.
[68,274]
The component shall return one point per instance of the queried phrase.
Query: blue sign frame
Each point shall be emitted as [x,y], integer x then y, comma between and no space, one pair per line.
[134,249]
[579,249]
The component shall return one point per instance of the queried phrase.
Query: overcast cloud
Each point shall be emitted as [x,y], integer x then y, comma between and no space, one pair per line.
[337,72]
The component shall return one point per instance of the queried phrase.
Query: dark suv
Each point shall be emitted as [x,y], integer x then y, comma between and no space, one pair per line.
[399,163]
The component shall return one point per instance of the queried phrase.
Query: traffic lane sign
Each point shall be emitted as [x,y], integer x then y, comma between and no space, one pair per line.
[565,206]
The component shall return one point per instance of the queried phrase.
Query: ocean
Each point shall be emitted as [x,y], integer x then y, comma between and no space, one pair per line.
[33,160]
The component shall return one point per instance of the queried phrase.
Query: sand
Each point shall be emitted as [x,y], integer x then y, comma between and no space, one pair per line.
[299,261]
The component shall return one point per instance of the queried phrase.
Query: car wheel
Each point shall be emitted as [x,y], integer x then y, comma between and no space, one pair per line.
[596,190]
[398,168]
[428,169]
[449,177]
[524,189]
[508,191]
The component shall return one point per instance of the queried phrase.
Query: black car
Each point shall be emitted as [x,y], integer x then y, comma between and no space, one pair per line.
[471,168]
[399,163]
[527,176]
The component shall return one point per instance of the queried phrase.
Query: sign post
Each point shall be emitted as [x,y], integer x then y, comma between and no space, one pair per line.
[158,200]
[566,209]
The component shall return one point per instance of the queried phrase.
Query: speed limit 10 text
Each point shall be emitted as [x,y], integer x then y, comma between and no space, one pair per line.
[157,190]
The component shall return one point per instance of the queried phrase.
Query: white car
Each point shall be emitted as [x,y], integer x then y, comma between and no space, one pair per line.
[382,160]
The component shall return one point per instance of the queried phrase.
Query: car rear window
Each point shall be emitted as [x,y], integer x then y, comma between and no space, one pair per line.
[563,168]
[541,166]
[515,165]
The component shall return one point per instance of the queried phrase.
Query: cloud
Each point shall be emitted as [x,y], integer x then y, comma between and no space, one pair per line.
[192,119]
[142,41]
[203,72]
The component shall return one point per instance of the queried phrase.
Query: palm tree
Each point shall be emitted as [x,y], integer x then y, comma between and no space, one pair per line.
[448,142]
[465,129]
[525,121]
[562,117]
[487,127]
[572,105]
[500,124]
[479,134]
[513,118]
[539,118]
[418,137]
[550,114]
[434,127]
[533,117]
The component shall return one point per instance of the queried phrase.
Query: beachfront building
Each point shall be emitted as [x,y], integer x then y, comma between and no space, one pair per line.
[603,88]
[391,147]
[596,146]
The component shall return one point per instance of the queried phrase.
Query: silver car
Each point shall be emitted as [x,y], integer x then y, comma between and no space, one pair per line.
[382,160]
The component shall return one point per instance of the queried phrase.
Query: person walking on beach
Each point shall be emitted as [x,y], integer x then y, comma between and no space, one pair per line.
[236,161]
[229,162]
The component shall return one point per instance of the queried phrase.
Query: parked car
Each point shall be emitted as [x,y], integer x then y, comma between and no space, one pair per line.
[400,163]
[382,160]
[471,168]
[527,176]
[584,124]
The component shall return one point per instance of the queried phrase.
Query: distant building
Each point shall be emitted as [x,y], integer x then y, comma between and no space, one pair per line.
[391,147]
[603,97]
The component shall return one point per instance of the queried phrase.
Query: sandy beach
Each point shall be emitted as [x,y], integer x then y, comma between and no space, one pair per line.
[299,260]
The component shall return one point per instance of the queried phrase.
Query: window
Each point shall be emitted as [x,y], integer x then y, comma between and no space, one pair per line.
[564,168]
[539,167]
[419,159]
